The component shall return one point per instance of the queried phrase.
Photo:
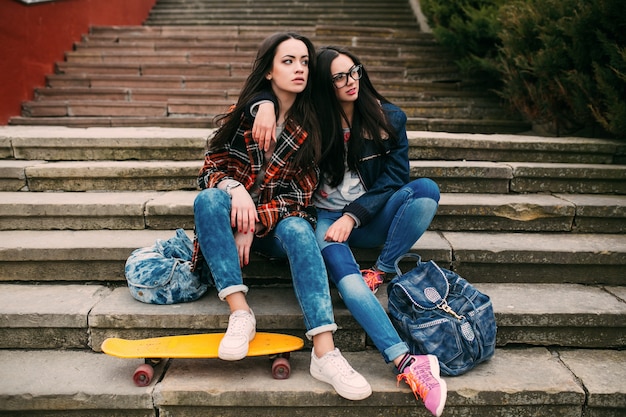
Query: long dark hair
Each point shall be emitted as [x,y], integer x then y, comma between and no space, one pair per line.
[368,121]
[301,113]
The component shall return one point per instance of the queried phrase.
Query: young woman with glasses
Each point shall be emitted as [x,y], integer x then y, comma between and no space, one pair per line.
[367,200]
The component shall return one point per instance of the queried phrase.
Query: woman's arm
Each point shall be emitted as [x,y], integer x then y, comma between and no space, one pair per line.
[264,127]
[262,110]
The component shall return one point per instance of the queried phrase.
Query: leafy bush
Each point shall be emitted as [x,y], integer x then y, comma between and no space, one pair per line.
[561,63]
[469,28]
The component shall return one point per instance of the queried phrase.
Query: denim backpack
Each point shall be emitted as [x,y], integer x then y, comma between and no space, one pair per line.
[161,274]
[438,312]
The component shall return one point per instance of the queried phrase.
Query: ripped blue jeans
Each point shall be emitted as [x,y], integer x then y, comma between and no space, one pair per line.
[401,222]
[292,239]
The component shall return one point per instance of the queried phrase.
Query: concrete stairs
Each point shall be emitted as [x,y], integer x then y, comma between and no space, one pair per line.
[394,13]
[186,64]
[537,223]
[104,161]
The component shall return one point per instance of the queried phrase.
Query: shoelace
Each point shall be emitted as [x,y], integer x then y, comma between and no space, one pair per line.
[415,384]
[237,325]
[372,278]
[419,381]
[341,364]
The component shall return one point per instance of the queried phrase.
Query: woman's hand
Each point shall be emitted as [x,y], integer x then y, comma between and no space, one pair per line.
[340,230]
[264,127]
[243,214]
[243,242]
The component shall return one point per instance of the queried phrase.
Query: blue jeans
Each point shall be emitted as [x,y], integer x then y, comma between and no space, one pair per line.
[292,239]
[401,222]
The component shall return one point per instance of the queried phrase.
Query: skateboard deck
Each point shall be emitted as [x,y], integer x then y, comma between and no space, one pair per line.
[199,346]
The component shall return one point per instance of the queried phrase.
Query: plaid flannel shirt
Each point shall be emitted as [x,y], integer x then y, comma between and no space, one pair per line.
[286,190]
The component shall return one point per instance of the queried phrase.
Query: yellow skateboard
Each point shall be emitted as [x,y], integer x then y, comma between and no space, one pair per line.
[153,350]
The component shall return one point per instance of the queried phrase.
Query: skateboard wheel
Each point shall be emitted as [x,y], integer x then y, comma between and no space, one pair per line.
[281,368]
[143,375]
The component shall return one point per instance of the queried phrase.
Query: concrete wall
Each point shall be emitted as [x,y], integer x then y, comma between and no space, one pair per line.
[33,37]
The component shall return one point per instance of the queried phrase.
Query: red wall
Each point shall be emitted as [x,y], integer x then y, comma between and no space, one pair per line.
[34,37]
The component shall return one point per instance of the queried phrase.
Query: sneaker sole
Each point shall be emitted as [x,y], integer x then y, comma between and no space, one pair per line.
[434,365]
[231,357]
[235,356]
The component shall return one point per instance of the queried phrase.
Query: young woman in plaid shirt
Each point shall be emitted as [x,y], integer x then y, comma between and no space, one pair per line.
[256,199]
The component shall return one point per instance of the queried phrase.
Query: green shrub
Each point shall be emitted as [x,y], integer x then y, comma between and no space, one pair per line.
[561,63]
[608,102]
[469,28]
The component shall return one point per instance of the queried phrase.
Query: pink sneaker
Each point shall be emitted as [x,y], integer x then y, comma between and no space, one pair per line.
[423,378]
[373,278]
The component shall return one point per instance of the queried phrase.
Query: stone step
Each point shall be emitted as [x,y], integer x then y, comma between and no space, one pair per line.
[584,162]
[451,176]
[368,47]
[420,90]
[212,69]
[485,126]
[257,17]
[536,223]
[391,72]
[407,22]
[58,143]
[389,10]
[347,33]
[390,14]
[224,37]
[71,316]
[579,213]
[62,143]
[409,62]
[189,121]
[424,91]
[492,257]
[81,108]
[290,12]
[227,31]
[164,44]
[521,382]
[286,6]
[144,81]
[173,107]
[522,177]
[125,94]
[172,56]
[513,148]
[110,78]
[350,36]
[221,79]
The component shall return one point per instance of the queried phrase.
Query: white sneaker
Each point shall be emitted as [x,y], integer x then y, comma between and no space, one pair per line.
[335,370]
[241,330]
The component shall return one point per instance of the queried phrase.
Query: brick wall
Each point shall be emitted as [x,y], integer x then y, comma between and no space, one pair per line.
[33,37]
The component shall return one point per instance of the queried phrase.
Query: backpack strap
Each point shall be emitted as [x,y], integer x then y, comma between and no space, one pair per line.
[426,285]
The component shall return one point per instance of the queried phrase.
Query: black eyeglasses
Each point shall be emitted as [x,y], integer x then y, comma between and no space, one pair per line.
[341,78]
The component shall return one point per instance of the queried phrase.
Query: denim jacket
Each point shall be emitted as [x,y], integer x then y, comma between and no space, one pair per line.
[382,174]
